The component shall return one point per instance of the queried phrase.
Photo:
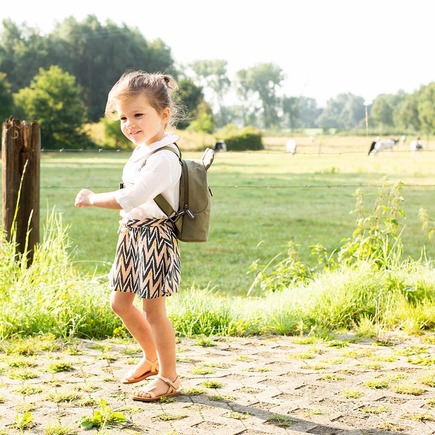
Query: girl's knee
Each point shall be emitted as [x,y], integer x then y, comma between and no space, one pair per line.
[156,317]
[119,304]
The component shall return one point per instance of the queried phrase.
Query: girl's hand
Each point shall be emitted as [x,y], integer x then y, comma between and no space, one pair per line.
[84,198]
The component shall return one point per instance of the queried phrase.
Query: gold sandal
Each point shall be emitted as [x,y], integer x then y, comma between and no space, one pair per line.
[170,392]
[130,379]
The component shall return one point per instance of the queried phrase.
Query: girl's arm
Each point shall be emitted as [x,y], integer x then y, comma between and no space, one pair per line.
[87,198]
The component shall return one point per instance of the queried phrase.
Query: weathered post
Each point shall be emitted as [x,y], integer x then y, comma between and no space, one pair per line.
[21,145]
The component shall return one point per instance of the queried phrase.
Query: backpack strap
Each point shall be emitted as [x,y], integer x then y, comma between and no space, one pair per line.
[160,199]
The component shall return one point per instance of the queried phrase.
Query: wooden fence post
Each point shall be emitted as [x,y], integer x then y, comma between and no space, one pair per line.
[21,145]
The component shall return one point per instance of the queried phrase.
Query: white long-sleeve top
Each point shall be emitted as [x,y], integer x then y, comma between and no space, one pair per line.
[147,174]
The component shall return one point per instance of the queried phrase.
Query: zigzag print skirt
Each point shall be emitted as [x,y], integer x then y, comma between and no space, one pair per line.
[147,260]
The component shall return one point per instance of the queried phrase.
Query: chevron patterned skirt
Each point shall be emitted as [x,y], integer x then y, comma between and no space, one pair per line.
[147,260]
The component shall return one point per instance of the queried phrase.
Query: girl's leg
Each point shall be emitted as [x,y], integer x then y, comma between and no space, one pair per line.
[138,326]
[164,339]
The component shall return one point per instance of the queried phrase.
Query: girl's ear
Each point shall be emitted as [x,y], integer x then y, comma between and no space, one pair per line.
[165,115]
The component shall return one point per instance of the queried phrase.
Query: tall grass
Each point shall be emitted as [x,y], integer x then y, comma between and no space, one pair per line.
[285,254]
[50,296]
[354,291]
[261,202]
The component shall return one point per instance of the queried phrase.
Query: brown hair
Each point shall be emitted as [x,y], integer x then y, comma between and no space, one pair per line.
[158,88]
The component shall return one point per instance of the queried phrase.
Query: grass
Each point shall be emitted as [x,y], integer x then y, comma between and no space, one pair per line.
[261,202]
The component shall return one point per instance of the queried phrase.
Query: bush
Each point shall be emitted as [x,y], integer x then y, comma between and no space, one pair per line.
[248,138]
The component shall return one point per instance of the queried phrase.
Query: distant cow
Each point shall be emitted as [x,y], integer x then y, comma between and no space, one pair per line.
[290,146]
[379,145]
[416,145]
[220,145]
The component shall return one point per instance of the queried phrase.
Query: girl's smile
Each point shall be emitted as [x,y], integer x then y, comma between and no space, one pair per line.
[140,122]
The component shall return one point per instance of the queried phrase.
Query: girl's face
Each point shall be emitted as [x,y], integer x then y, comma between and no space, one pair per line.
[140,122]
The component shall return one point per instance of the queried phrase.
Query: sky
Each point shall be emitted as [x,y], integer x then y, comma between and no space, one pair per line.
[324,47]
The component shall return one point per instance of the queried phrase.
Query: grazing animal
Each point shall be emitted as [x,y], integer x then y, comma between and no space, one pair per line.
[379,145]
[220,145]
[291,146]
[416,145]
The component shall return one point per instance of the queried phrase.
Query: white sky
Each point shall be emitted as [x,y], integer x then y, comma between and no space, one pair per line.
[324,47]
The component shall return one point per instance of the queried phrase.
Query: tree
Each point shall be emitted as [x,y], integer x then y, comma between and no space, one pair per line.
[383,109]
[7,102]
[426,108]
[191,96]
[95,54]
[290,108]
[300,112]
[98,54]
[54,100]
[22,52]
[263,80]
[405,114]
[308,112]
[213,75]
[249,101]
[345,111]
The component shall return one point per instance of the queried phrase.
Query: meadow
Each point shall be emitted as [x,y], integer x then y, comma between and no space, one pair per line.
[320,241]
[261,201]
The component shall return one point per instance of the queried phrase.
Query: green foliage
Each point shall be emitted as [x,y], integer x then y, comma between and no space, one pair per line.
[103,418]
[285,273]
[428,224]
[377,237]
[426,109]
[7,105]
[202,123]
[248,138]
[54,100]
[95,54]
[262,81]
[114,137]
[24,421]
[360,292]
[50,296]
[191,97]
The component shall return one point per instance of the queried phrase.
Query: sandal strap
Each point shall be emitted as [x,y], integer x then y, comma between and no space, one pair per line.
[154,365]
[168,382]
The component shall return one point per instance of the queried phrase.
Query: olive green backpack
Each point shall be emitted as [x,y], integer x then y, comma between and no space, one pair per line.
[192,219]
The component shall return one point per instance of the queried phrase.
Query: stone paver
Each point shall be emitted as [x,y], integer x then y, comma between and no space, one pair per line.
[249,386]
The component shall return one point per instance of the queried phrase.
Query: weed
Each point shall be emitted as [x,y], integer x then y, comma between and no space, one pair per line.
[28,390]
[212,384]
[378,383]
[24,421]
[374,410]
[331,377]
[419,417]
[428,379]
[58,429]
[352,394]
[23,374]
[238,415]
[103,418]
[194,392]
[409,389]
[64,396]
[279,420]
[171,417]
[205,342]
[60,367]
[201,371]
[221,398]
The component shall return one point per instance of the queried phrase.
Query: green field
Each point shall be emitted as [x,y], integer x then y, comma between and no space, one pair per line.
[261,201]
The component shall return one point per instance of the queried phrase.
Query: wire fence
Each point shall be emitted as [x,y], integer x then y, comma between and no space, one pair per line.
[287,186]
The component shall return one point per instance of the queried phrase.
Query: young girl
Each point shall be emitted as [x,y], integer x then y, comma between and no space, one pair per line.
[147,260]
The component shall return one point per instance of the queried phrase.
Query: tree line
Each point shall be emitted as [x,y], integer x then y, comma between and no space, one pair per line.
[62,79]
